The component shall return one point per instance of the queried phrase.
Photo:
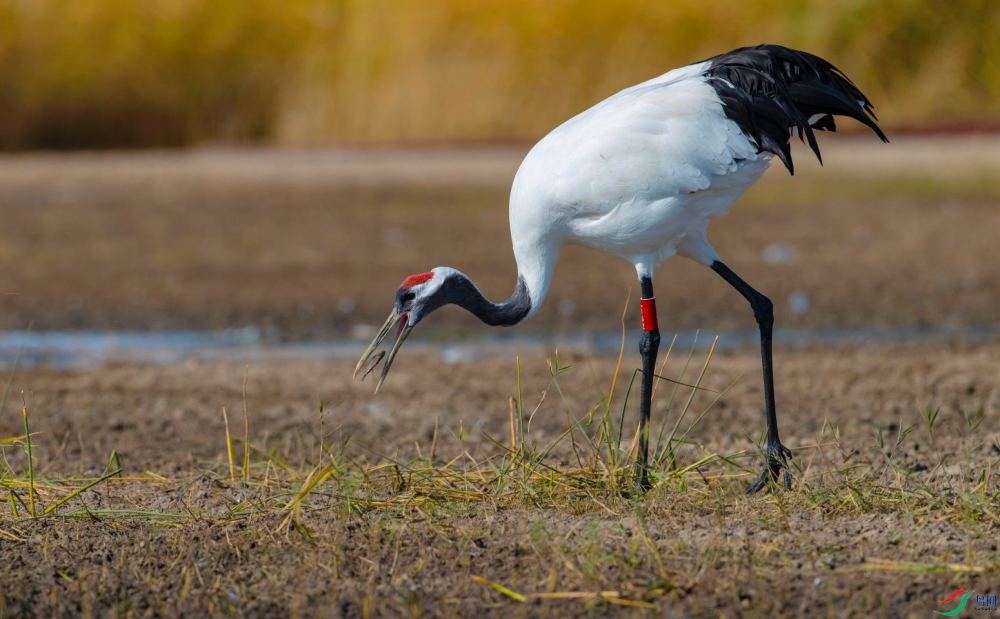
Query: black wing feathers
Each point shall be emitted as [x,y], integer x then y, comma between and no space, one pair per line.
[770,90]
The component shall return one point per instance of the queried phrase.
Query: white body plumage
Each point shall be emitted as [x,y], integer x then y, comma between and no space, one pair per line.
[638,175]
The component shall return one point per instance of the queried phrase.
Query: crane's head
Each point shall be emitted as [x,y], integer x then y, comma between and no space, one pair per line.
[417,296]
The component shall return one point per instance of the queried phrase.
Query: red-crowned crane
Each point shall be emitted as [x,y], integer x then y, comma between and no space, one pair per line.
[639,175]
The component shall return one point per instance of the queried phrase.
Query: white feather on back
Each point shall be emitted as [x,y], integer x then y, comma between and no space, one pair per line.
[637,175]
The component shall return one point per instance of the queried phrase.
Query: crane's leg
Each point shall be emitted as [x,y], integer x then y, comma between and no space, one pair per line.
[763,311]
[649,345]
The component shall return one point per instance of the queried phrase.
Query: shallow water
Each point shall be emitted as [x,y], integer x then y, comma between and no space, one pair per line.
[71,349]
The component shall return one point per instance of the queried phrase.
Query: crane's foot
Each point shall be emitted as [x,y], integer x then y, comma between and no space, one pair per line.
[642,479]
[640,483]
[777,462]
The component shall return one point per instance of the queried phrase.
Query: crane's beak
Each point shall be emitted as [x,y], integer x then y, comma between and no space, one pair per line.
[370,360]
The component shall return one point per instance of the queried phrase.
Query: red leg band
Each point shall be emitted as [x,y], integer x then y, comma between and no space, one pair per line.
[648,307]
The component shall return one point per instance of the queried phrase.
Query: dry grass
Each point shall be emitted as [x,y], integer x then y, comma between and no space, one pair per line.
[168,72]
[524,526]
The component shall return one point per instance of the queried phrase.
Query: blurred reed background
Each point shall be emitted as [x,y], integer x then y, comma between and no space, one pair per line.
[131,73]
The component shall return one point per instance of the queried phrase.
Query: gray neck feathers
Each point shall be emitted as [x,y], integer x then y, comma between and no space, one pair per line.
[460,290]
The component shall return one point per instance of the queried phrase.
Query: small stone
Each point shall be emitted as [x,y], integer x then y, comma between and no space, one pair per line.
[798,302]
[779,253]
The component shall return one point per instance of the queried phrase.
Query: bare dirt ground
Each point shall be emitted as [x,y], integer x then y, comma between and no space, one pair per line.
[313,244]
[449,495]
[884,528]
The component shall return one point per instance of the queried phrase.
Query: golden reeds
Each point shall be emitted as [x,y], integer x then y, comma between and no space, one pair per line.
[161,72]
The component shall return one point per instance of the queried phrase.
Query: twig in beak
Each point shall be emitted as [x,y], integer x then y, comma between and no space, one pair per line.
[370,359]
[404,332]
[390,322]
[373,364]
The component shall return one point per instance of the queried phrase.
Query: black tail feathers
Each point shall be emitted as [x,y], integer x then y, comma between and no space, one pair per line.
[769,90]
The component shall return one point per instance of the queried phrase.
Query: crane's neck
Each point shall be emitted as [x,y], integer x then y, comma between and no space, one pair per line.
[465,294]
[534,276]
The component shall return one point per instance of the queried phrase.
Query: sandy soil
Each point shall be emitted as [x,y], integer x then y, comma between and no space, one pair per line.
[313,243]
[697,549]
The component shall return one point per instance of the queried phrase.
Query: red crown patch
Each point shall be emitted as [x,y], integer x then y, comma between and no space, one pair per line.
[414,280]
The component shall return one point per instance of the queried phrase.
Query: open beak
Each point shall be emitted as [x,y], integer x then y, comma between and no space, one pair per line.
[370,360]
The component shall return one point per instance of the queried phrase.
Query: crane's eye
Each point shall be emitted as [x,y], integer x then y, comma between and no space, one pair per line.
[403,297]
